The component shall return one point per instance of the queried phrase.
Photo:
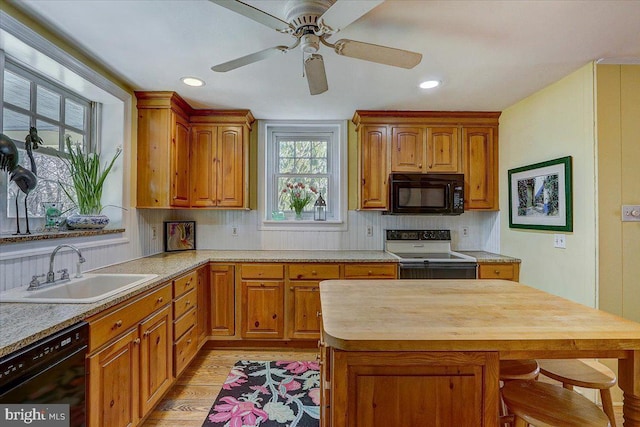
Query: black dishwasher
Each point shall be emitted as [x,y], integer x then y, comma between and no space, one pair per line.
[52,370]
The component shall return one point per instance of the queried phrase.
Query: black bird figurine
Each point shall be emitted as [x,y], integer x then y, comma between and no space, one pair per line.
[24,178]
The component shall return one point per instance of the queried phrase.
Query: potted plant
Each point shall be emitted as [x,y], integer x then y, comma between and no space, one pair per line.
[85,190]
[299,196]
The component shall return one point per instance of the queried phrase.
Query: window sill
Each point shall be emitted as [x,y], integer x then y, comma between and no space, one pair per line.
[303,225]
[10,238]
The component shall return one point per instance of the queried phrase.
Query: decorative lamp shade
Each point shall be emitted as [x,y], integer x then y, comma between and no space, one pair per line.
[320,209]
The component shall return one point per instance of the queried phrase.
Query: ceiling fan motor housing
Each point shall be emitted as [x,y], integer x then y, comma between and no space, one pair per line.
[303,15]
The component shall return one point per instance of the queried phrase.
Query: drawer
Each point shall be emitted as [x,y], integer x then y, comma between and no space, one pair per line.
[107,327]
[182,325]
[184,283]
[370,271]
[313,271]
[262,271]
[184,303]
[504,271]
[185,348]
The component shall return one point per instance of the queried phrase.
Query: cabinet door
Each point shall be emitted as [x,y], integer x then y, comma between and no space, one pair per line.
[443,150]
[222,300]
[262,309]
[113,383]
[203,305]
[180,162]
[230,170]
[153,177]
[373,168]
[303,315]
[202,159]
[155,358]
[407,149]
[480,155]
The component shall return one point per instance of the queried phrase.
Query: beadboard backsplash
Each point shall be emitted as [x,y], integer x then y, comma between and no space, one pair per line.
[18,263]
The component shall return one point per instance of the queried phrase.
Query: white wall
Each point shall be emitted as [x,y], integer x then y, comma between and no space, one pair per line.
[555,122]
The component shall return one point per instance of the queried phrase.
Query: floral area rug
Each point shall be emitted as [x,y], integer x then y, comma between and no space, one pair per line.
[268,394]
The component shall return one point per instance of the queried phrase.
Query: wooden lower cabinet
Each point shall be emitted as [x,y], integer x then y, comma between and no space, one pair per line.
[499,270]
[262,309]
[397,389]
[222,312]
[129,374]
[203,308]
[303,314]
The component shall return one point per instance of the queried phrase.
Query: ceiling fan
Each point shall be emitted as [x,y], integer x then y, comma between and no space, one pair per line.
[311,23]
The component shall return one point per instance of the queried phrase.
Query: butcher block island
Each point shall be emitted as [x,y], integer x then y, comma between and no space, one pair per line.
[427,352]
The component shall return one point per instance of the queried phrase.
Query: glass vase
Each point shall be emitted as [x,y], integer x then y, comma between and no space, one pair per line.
[298,216]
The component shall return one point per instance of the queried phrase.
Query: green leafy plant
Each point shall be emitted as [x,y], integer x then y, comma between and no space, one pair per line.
[87,178]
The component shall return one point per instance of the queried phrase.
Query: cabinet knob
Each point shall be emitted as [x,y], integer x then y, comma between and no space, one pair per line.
[136,341]
[147,333]
[291,288]
[497,272]
[369,272]
[189,341]
[188,302]
[117,324]
[314,273]
[318,314]
[160,299]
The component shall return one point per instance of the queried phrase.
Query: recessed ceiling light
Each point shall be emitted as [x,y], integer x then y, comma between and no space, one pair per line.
[429,84]
[192,81]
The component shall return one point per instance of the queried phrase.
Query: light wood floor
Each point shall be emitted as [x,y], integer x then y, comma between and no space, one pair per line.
[188,402]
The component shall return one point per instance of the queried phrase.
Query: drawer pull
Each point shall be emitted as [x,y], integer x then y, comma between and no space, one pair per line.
[160,299]
[318,314]
[369,272]
[314,273]
[136,341]
[291,288]
[188,302]
[118,324]
[497,272]
[189,341]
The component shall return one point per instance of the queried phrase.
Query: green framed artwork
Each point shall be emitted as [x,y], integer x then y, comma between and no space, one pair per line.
[540,196]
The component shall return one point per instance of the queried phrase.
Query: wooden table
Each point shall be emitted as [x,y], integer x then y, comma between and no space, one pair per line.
[426,352]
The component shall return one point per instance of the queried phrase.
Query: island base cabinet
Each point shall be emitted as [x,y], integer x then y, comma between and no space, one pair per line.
[397,389]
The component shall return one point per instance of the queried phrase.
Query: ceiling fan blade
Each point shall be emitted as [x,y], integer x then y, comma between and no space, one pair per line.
[316,76]
[249,59]
[376,53]
[253,13]
[343,13]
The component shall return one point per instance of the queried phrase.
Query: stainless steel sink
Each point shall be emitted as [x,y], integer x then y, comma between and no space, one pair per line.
[87,289]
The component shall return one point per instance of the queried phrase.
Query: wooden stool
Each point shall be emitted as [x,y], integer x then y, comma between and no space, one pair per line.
[574,372]
[519,370]
[543,404]
[510,370]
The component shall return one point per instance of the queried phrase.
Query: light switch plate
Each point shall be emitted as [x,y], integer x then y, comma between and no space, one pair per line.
[559,241]
[630,213]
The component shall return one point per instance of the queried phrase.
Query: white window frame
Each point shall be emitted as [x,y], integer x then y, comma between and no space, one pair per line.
[336,131]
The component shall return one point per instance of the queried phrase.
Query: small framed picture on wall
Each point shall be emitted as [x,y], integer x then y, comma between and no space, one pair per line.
[179,236]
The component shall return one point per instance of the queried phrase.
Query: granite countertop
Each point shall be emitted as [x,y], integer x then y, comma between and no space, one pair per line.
[483,256]
[23,323]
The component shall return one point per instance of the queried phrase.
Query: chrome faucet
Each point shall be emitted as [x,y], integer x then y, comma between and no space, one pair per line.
[51,275]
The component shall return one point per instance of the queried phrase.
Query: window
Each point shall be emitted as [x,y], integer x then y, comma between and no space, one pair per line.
[307,153]
[29,99]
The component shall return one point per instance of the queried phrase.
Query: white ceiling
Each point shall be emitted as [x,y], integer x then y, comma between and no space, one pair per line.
[488,54]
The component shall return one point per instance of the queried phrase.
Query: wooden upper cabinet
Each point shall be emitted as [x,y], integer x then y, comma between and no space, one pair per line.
[180,162]
[407,149]
[191,158]
[480,158]
[424,142]
[443,150]
[374,174]
[163,150]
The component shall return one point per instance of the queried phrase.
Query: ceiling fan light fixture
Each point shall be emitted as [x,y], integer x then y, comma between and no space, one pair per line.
[192,81]
[429,84]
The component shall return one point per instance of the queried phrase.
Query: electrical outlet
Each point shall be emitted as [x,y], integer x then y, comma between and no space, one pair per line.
[369,231]
[234,230]
[559,241]
[154,233]
[465,231]
[630,213]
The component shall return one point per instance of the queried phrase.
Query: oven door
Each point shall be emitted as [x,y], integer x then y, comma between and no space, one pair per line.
[438,270]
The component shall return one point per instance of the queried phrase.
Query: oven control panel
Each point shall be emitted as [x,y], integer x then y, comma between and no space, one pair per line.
[419,235]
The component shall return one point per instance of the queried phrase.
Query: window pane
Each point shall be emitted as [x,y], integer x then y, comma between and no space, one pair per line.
[285,165]
[49,133]
[318,165]
[303,149]
[48,103]
[320,149]
[286,149]
[17,90]
[16,125]
[74,114]
[77,140]
[303,166]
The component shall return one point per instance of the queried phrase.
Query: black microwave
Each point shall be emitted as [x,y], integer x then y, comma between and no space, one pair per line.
[416,193]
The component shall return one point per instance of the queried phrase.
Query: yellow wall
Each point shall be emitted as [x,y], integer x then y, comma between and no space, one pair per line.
[618,124]
[554,122]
